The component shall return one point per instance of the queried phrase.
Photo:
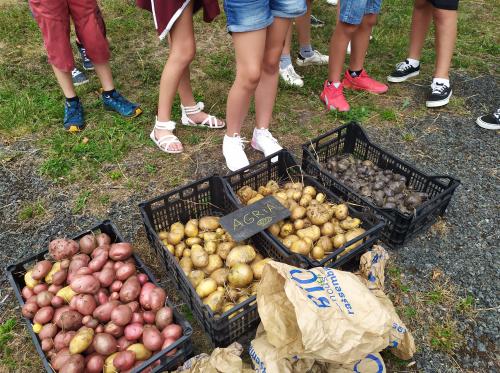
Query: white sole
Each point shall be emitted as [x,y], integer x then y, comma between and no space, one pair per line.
[486,125]
[80,83]
[303,64]
[393,79]
[439,103]
[164,150]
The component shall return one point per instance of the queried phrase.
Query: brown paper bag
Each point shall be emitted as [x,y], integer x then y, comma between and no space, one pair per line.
[321,314]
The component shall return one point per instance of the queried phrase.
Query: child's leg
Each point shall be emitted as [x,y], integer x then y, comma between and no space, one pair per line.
[288,42]
[421,20]
[303,24]
[103,71]
[359,42]
[338,44]
[65,82]
[445,22]
[249,48]
[265,94]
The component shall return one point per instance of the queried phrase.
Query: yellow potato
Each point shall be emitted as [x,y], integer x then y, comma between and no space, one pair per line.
[327,229]
[215,300]
[298,224]
[224,248]
[338,240]
[108,363]
[214,263]
[195,277]
[258,197]
[273,185]
[193,241]
[66,293]
[298,213]
[186,265]
[206,287]
[174,237]
[336,228]
[30,281]
[169,247]
[37,328]
[350,223]
[177,227]
[281,195]
[141,352]
[208,223]
[319,214]
[179,249]
[199,256]
[257,258]
[301,247]
[264,191]
[191,228]
[274,229]
[220,276]
[341,211]
[320,197]
[227,306]
[240,254]
[240,275]
[351,235]
[210,236]
[242,299]
[186,253]
[286,230]
[305,200]
[317,252]
[313,232]
[309,190]
[163,235]
[325,243]
[288,240]
[258,267]
[246,194]
[210,247]
[56,267]
[81,341]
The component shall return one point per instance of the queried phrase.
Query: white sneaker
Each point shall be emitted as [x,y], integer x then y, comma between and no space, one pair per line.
[332,2]
[263,141]
[316,59]
[233,150]
[290,77]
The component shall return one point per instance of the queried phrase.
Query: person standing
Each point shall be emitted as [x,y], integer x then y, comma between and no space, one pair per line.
[444,14]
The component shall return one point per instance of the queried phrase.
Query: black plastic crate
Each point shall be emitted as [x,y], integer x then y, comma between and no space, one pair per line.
[286,169]
[352,139]
[201,198]
[15,274]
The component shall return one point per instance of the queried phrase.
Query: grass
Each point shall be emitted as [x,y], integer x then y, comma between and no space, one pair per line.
[31,211]
[7,356]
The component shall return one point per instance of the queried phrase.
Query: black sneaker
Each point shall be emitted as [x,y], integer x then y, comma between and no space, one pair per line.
[86,62]
[403,71]
[315,22]
[490,121]
[440,95]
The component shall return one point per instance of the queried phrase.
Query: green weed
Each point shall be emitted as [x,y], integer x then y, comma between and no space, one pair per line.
[81,202]
[31,211]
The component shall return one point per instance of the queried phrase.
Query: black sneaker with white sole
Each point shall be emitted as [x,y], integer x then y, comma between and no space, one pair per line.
[490,121]
[439,96]
[404,70]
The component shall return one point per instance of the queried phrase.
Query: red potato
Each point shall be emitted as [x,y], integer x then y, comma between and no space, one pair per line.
[44,315]
[70,320]
[116,285]
[48,331]
[102,296]
[75,364]
[166,343]
[143,278]
[130,260]
[134,306]
[32,299]
[77,262]
[62,339]
[144,297]
[29,310]
[164,317]
[85,284]
[60,277]
[133,331]
[172,331]
[137,318]
[47,344]
[121,315]
[84,303]
[94,363]
[120,251]
[109,264]
[125,271]
[58,312]
[103,312]
[104,344]
[54,288]
[130,290]
[87,243]
[117,265]
[113,329]
[57,302]
[99,329]
[84,271]
[63,248]
[106,277]
[91,322]
[60,359]
[157,299]
[41,269]
[99,251]
[98,262]
[152,338]
[27,292]
[149,317]
[124,360]
[123,343]
[44,298]
[65,263]
[114,296]
[40,287]
[103,239]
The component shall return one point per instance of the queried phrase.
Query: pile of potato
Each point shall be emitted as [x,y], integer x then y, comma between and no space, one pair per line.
[316,227]
[93,311]
[387,189]
[223,272]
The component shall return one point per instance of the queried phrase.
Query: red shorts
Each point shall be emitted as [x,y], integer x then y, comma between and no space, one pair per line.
[53,18]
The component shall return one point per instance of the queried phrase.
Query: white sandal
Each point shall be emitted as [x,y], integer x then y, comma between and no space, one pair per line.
[209,122]
[165,141]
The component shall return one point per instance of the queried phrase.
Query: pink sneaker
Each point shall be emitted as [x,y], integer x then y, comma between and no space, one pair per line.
[333,98]
[364,83]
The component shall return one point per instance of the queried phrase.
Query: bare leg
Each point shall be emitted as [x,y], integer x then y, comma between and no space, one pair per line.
[288,42]
[265,94]
[303,24]
[65,82]
[446,35]
[421,20]
[103,71]
[360,40]
[338,45]
[249,48]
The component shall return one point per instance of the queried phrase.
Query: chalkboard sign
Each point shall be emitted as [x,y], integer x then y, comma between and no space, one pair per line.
[249,220]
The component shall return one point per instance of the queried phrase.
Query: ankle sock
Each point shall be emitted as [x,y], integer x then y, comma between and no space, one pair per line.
[260,131]
[72,99]
[336,84]
[355,73]
[412,62]
[108,93]
[446,82]
[285,61]
[306,51]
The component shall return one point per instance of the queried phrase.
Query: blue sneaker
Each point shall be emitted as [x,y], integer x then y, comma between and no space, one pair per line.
[73,116]
[120,104]
[78,77]
[86,62]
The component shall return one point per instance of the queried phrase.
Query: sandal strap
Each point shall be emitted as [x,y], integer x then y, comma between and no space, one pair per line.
[167,140]
[190,110]
[169,126]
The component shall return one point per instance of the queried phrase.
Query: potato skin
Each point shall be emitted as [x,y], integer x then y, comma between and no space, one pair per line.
[172,331]
[41,269]
[124,360]
[125,271]
[62,248]
[87,243]
[70,320]
[133,331]
[164,317]
[44,315]
[141,352]
[85,284]
[152,338]
[103,312]
[81,341]
[131,289]
[121,315]
[240,275]
[104,344]
[120,251]
[48,331]
[95,363]
[84,303]
[240,254]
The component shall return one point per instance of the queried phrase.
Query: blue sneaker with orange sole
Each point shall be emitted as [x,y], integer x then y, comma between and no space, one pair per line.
[73,116]
[116,102]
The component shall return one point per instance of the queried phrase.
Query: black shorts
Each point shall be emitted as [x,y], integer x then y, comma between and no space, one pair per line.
[445,4]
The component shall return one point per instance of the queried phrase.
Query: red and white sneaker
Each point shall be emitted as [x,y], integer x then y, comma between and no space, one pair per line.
[333,97]
[364,82]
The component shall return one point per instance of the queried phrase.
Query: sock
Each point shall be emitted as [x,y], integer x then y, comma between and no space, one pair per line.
[108,93]
[446,82]
[355,73]
[260,131]
[306,51]
[285,61]
[336,84]
[414,63]
[72,99]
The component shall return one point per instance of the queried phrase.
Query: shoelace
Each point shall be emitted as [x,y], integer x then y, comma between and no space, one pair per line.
[268,135]
[438,88]
[73,110]
[120,100]
[496,114]
[292,73]
[241,141]
[403,66]
[84,54]
[75,72]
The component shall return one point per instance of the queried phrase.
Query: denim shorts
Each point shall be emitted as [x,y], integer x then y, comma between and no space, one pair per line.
[251,15]
[353,11]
